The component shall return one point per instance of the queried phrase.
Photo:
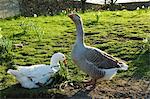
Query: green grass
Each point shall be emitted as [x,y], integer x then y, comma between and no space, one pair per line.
[120,33]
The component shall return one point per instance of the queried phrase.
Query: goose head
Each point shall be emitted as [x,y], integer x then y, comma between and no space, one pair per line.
[57,57]
[75,18]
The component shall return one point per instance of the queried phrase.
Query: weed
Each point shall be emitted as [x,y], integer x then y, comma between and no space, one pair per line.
[146,45]
[25,27]
[39,32]
[97,18]
[5,45]
[6,51]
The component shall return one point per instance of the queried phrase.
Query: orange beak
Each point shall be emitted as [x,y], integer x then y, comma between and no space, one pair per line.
[65,62]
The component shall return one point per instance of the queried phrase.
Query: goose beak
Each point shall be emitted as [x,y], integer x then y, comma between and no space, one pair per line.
[65,62]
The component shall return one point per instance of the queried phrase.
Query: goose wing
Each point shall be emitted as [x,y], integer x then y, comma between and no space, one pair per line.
[26,70]
[100,58]
[39,74]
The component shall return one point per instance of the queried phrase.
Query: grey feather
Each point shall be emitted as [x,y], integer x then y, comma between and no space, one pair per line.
[100,59]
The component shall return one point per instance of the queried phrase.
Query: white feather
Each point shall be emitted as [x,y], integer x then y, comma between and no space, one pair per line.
[109,73]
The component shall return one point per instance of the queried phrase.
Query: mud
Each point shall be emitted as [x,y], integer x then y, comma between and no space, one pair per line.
[116,88]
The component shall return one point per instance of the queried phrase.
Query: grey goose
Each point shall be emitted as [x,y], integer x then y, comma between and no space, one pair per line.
[93,61]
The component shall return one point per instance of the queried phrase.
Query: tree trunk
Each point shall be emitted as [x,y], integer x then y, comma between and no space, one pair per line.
[83,5]
[105,2]
[112,5]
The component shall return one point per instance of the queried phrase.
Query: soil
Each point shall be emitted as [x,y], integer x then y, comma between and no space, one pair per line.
[116,88]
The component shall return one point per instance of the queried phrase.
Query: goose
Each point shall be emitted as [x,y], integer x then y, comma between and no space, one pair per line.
[93,61]
[38,75]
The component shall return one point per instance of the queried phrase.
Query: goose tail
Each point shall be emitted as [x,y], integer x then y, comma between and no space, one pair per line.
[109,73]
[13,72]
[123,66]
[10,71]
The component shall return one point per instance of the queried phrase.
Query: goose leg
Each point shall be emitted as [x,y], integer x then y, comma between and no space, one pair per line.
[86,81]
[91,84]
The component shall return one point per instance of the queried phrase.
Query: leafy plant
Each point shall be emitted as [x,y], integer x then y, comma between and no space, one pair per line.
[25,27]
[146,44]
[5,45]
[5,51]
[63,72]
[39,32]
[97,18]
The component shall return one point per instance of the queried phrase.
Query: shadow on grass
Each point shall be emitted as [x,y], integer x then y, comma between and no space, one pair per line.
[142,66]
[81,94]
[48,91]
[16,91]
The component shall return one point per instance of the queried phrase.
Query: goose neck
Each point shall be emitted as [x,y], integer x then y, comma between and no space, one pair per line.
[80,34]
[54,62]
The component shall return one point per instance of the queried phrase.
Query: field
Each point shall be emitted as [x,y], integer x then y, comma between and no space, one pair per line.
[123,34]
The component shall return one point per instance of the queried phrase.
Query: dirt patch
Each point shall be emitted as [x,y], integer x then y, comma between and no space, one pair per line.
[122,89]
[129,38]
[116,88]
[91,33]
[146,31]
[134,38]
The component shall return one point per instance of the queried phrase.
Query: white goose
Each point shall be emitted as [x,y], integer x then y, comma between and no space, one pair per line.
[36,75]
[93,61]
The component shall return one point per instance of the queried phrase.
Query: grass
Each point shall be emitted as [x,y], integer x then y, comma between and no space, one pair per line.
[119,33]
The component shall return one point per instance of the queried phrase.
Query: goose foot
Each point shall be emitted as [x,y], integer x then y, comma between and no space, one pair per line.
[90,84]
[89,88]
